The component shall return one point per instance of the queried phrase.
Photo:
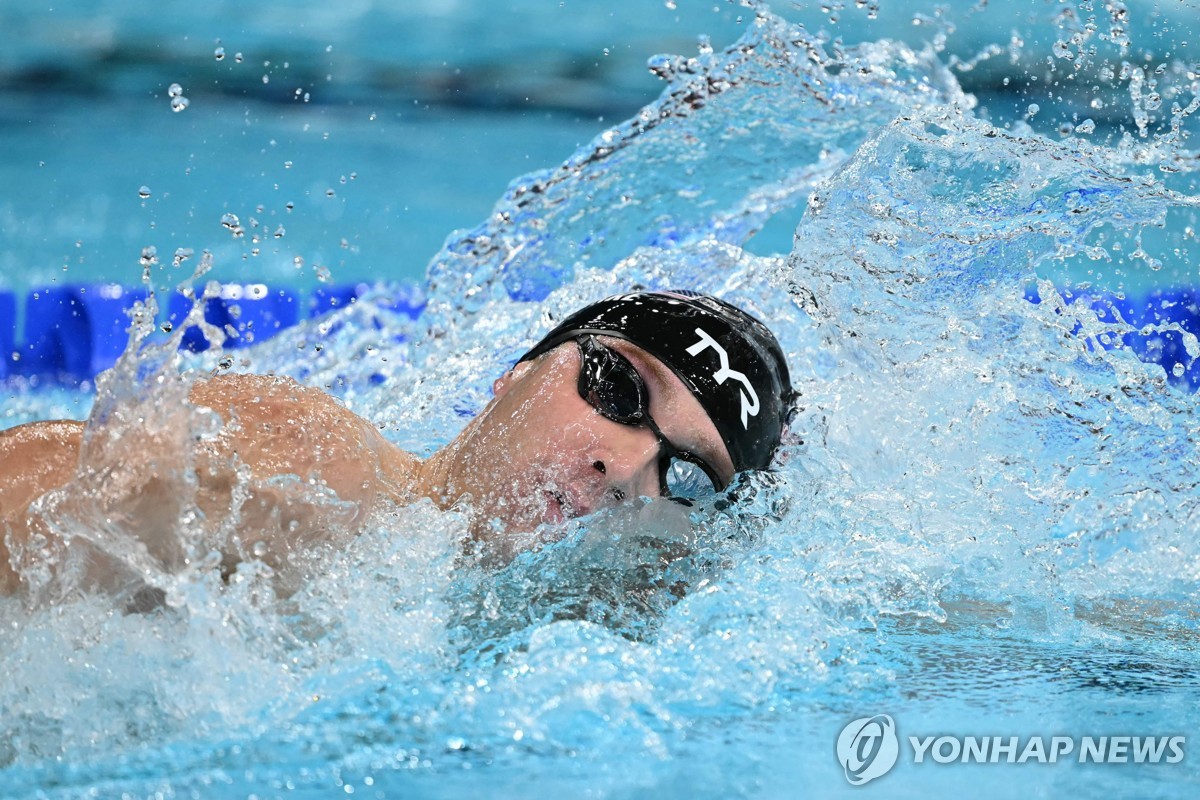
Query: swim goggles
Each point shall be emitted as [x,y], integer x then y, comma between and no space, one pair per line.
[612,385]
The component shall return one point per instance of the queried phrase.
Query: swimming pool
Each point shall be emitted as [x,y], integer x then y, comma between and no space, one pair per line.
[982,524]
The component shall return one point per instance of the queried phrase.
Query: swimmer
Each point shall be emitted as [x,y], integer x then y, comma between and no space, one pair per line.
[644,394]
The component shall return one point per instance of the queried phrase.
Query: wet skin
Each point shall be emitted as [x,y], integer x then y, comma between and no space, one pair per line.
[537,453]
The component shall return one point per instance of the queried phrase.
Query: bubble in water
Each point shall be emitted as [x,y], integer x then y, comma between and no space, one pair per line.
[144,192]
[149,256]
[330,193]
[298,262]
[178,104]
[289,206]
[174,90]
[323,273]
[182,254]
[280,232]
[219,53]
[1087,126]
[238,57]
[1032,111]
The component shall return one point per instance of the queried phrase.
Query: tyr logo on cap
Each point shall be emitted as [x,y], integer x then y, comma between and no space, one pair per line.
[749,396]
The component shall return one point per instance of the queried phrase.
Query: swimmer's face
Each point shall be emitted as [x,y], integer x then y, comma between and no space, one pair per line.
[542,453]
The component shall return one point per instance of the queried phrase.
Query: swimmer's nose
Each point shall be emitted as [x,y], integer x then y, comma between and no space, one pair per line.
[629,474]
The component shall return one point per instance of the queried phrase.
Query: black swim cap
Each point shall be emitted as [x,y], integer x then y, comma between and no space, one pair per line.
[728,360]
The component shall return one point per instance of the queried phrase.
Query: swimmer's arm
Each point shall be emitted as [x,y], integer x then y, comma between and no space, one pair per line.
[277,427]
[34,458]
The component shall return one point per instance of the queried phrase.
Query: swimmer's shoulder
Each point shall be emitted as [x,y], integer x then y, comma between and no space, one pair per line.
[231,393]
[289,427]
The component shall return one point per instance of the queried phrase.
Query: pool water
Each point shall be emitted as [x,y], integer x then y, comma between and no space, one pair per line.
[982,522]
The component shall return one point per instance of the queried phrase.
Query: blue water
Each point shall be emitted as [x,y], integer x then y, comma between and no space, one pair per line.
[982,523]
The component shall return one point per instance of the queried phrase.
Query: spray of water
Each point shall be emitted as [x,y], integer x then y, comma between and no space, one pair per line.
[961,458]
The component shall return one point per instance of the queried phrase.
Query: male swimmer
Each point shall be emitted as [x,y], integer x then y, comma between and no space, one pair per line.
[642,394]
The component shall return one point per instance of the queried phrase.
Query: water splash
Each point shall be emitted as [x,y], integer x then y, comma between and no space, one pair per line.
[969,476]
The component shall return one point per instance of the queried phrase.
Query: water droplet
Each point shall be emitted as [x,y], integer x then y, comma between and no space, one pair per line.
[167,327]
[1033,109]
[298,261]
[1087,126]
[233,224]
[219,53]
[144,192]
[330,193]
[289,206]
[178,104]
[174,90]
[1178,370]
[372,117]
[671,5]
[353,176]
[238,57]
[280,232]
[323,273]
[149,256]
[287,165]
[182,254]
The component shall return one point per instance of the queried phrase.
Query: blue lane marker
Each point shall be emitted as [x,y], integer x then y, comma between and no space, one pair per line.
[8,322]
[1180,306]
[407,299]
[75,330]
[247,314]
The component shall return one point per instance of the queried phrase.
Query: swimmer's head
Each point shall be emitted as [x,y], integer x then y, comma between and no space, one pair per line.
[642,395]
[727,359]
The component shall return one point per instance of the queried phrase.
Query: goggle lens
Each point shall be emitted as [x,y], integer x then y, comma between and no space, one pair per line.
[612,385]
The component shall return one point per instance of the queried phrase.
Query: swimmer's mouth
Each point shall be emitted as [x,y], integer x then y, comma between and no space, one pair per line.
[560,506]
